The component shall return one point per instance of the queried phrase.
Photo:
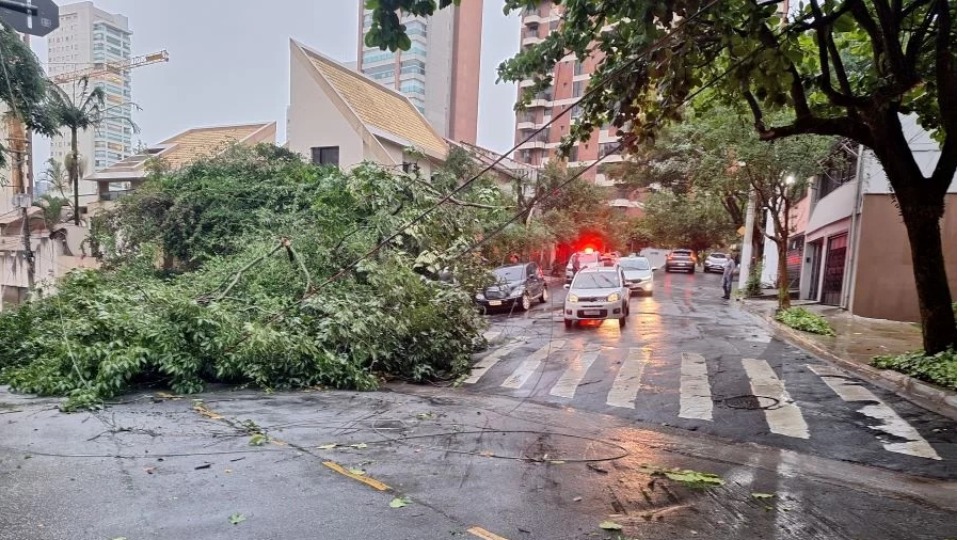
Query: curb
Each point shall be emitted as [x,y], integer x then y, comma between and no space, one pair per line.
[917,392]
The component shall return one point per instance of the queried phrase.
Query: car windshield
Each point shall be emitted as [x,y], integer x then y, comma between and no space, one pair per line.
[634,264]
[596,280]
[718,255]
[681,254]
[509,273]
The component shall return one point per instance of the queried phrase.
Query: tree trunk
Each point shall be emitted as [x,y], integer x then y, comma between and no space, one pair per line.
[921,202]
[922,220]
[75,176]
[783,280]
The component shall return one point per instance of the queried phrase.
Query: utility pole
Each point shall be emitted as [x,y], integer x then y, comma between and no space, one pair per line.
[746,253]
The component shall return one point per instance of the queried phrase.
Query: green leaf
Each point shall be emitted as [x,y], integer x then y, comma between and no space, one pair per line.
[328,446]
[237,518]
[258,439]
[610,526]
[761,496]
[694,478]
[399,502]
[357,471]
[358,445]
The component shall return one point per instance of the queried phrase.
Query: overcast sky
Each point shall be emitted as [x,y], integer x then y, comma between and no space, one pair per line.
[229,61]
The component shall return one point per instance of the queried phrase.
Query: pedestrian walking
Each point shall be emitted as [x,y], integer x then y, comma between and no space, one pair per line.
[728,269]
[514,259]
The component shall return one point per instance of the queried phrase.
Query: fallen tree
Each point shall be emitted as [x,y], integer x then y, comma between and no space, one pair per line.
[222,272]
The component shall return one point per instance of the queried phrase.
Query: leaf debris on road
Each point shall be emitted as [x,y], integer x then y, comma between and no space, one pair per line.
[237,518]
[399,502]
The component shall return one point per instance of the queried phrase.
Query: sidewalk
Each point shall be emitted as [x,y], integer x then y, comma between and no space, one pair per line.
[857,341]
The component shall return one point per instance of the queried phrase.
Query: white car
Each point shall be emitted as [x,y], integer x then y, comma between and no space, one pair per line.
[597,293]
[579,260]
[715,262]
[639,274]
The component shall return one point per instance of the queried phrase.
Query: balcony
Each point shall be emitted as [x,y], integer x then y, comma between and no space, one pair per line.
[525,124]
[531,17]
[530,40]
[533,145]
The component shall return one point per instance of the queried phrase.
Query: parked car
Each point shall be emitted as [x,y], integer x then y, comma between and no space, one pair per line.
[681,260]
[579,260]
[715,262]
[515,285]
[639,274]
[597,293]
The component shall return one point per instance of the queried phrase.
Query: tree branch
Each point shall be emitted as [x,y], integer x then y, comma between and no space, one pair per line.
[865,19]
[457,201]
[842,126]
[946,77]
[825,52]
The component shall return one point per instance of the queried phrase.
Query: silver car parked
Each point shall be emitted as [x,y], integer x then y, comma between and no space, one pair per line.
[597,293]
[715,262]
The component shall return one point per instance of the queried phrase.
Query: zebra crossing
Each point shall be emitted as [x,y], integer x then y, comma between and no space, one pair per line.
[561,368]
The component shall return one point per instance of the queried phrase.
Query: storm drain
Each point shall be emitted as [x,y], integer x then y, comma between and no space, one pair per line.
[751,402]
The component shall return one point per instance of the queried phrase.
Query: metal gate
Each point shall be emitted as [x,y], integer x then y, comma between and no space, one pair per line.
[816,252]
[833,271]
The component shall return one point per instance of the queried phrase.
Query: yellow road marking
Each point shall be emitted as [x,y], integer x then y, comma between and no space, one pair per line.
[375,484]
[480,532]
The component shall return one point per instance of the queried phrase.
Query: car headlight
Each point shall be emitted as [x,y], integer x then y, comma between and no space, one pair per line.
[613,297]
[516,292]
[572,298]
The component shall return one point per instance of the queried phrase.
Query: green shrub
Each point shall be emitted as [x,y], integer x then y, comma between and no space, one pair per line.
[939,369]
[801,319]
[752,288]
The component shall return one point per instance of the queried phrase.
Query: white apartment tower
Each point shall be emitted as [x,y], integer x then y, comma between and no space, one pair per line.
[88,36]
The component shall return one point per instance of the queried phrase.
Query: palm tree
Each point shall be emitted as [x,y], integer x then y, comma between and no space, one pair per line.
[79,112]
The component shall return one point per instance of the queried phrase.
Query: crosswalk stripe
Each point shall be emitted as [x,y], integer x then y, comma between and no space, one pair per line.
[571,378]
[786,419]
[480,368]
[891,422]
[530,364]
[695,398]
[627,384]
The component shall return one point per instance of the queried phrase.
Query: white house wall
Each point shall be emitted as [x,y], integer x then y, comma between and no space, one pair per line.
[313,119]
[837,205]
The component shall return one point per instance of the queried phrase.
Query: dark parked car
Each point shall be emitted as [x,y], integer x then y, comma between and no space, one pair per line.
[515,285]
[681,260]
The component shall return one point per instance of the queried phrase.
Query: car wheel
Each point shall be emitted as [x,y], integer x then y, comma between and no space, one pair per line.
[525,302]
[545,296]
[692,270]
[567,323]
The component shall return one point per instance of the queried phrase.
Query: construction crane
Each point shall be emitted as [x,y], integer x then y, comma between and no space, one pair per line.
[116,67]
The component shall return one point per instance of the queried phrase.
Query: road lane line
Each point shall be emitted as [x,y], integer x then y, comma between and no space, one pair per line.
[695,398]
[530,364]
[480,532]
[890,422]
[627,384]
[785,419]
[570,380]
[375,484]
[488,361]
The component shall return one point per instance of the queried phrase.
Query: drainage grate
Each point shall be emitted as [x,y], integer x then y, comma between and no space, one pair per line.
[751,402]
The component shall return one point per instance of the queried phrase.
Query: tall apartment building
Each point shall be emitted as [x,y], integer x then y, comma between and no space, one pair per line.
[440,73]
[87,36]
[570,81]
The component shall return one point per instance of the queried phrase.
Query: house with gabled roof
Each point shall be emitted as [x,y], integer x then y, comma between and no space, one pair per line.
[176,152]
[340,117]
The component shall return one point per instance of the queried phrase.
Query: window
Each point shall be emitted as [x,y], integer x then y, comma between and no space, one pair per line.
[578,87]
[416,28]
[371,57]
[325,155]
[554,24]
[574,154]
[577,68]
[609,148]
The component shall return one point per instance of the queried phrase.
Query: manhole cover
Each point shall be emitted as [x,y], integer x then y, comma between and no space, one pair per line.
[751,402]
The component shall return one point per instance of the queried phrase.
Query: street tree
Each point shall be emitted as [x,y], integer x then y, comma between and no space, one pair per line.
[23,91]
[80,109]
[845,68]
[56,175]
[686,220]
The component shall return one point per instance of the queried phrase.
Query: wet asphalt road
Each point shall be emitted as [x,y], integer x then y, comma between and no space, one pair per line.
[493,462]
[638,373]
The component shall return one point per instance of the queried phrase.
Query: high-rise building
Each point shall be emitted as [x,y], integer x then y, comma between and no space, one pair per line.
[87,36]
[570,80]
[440,73]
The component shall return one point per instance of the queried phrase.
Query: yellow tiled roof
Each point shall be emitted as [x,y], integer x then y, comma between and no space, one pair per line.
[196,143]
[380,107]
